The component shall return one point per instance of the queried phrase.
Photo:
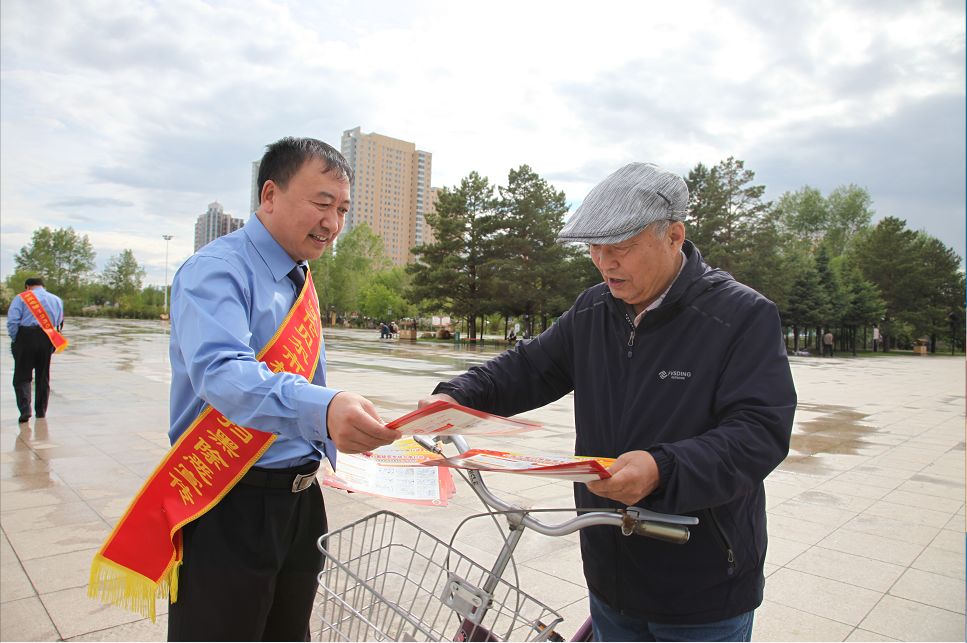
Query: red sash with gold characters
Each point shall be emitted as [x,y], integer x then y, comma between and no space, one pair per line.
[33,304]
[139,561]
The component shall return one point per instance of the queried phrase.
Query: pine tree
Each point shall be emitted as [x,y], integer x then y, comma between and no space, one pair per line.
[449,273]
[526,259]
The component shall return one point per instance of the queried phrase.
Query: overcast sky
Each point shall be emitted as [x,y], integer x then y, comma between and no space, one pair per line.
[125,120]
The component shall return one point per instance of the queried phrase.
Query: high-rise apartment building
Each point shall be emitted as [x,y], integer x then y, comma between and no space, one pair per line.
[213,224]
[391,192]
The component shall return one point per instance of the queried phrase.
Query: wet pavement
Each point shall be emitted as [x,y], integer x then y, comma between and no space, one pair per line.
[866,515]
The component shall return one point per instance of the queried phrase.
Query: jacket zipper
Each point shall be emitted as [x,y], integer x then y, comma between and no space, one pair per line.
[631,337]
[723,541]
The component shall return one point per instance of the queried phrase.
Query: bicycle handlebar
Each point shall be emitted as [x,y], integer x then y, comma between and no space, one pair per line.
[643,522]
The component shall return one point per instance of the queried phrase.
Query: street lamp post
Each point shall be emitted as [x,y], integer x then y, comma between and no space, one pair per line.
[167,238]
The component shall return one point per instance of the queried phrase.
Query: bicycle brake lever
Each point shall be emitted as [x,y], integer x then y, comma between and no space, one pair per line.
[427,443]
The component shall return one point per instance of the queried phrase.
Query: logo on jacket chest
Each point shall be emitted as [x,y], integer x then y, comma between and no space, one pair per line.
[674,375]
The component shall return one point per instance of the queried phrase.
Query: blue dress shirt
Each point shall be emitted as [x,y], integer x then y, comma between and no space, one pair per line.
[19,314]
[227,301]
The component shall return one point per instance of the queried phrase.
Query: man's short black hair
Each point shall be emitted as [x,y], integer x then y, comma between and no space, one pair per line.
[283,159]
[33,281]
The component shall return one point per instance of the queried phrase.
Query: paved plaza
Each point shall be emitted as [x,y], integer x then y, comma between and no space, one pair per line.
[866,515]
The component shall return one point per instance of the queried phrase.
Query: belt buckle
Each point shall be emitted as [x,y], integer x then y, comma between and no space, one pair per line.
[303,481]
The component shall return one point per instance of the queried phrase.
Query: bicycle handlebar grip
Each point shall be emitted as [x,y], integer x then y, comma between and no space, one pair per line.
[675,534]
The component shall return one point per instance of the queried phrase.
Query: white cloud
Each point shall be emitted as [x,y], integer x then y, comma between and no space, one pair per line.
[163,106]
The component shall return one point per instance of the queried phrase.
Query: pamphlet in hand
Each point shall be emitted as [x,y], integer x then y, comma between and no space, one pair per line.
[446,418]
[574,468]
[392,471]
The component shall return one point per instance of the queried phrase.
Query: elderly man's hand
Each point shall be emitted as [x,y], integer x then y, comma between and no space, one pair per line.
[634,475]
[354,425]
[430,399]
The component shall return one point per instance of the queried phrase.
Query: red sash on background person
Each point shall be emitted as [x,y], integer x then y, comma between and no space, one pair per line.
[139,561]
[33,304]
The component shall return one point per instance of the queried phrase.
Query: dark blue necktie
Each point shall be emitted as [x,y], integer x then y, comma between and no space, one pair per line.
[298,277]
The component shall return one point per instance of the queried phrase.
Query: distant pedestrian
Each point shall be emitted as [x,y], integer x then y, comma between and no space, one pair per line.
[828,344]
[876,337]
[34,321]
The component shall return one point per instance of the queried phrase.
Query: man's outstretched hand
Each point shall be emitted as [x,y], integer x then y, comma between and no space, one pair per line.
[355,426]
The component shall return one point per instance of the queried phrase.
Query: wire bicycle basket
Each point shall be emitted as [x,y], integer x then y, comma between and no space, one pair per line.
[385,578]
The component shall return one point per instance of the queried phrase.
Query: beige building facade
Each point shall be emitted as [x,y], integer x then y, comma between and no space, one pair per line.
[214,223]
[392,190]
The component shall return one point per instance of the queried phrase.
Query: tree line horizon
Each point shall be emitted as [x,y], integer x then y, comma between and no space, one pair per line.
[495,258]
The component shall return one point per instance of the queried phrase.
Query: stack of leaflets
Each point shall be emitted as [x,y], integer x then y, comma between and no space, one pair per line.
[407,472]
[393,471]
[447,418]
[574,468]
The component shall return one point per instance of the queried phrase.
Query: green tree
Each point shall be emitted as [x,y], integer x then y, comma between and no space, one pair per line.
[706,204]
[810,219]
[767,259]
[733,227]
[321,270]
[123,277]
[525,260]
[63,258]
[449,274]
[807,301]
[887,256]
[944,285]
[804,216]
[863,305]
[834,296]
[13,286]
[850,211]
[340,276]
[383,299]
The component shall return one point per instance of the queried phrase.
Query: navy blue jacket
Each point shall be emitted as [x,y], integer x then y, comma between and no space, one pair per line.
[702,383]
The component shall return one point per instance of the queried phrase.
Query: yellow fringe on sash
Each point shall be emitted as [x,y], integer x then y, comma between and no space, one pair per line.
[117,585]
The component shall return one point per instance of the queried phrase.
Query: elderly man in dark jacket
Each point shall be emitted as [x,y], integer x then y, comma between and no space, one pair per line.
[679,372]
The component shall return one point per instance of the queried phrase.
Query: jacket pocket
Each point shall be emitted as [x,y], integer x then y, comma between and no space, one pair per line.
[724,541]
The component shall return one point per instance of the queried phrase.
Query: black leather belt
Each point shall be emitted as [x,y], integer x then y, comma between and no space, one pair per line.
[268,479]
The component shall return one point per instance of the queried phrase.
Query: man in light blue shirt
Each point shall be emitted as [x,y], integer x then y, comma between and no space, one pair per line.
[31,347]
[250,564]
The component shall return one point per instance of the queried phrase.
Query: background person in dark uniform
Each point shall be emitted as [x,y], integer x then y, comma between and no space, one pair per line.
[31,348]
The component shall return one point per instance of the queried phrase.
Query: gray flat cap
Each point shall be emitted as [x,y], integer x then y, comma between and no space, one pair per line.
[620,206]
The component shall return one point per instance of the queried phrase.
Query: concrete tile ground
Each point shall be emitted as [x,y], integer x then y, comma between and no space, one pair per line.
[866,515]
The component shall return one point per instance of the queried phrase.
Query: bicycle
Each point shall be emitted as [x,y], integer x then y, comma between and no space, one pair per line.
[386,578]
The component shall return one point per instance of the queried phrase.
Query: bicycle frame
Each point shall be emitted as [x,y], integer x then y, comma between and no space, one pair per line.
[386,578]
[633,520]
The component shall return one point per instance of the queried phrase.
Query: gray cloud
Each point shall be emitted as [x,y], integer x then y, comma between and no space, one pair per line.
[913,163]
[639,99]
[92,202]
[165,105]
[211,159]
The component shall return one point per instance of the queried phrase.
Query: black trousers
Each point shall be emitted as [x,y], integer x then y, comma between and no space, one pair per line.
[250,567]
[31,361]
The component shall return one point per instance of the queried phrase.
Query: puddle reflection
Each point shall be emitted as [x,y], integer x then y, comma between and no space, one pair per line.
[831,434]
